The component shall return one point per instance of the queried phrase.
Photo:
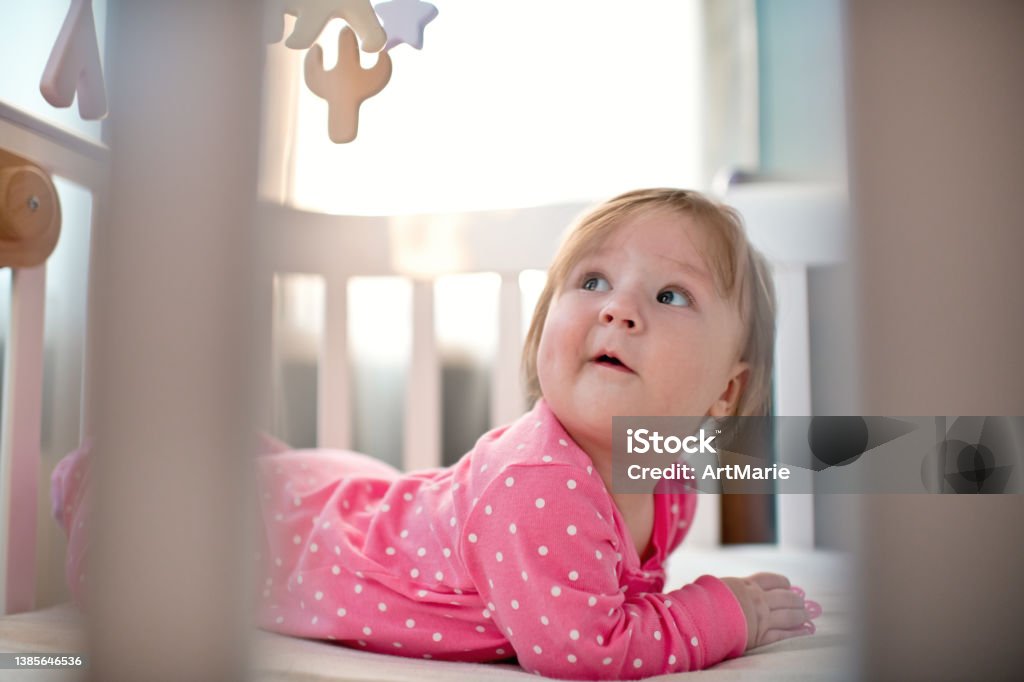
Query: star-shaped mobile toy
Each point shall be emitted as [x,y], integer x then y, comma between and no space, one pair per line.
[404,21]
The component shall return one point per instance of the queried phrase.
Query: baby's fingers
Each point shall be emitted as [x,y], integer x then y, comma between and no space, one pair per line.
[777,635]
[786,619]
[786,599]
[783,599]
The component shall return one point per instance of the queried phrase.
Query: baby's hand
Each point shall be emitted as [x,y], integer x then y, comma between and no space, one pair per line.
[774,610]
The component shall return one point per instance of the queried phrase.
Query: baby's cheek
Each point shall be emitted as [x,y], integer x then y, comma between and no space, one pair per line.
[547,364]
[684,393]
[551,348]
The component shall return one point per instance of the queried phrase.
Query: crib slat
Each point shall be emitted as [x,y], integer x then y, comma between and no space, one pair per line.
[333,412]
[506,391]
[20,446]
[86,419]
[277,414]
[263,349]
[422,446]
[795,513]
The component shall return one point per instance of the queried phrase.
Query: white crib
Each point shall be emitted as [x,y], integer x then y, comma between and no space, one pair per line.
[795,226]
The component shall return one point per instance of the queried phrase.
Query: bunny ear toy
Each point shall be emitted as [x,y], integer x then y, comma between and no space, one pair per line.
[74,65]
[348,85]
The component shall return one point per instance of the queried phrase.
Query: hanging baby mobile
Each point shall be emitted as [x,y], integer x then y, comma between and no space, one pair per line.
[74,65]
[348,84]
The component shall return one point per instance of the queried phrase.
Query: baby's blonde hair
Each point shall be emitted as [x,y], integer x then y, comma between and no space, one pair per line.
[740,274]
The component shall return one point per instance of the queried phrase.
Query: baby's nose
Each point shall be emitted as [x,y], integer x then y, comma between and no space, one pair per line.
[611,318]
[621,311]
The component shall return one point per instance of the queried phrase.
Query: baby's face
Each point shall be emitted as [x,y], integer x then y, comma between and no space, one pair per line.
[645,298]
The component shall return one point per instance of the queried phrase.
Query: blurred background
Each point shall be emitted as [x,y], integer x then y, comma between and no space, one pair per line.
[914,107]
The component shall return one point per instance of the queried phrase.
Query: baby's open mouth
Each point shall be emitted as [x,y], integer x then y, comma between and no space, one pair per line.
[612,362]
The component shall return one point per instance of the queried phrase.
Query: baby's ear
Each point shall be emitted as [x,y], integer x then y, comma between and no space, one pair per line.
[727,402]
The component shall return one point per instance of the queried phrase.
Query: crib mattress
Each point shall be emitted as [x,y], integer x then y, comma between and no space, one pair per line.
[827,655]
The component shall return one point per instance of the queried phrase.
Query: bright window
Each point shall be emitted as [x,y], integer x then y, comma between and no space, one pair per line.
[515,104]
[28,31]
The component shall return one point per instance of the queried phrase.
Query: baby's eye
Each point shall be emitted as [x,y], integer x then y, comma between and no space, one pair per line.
[596,283]
[676,298]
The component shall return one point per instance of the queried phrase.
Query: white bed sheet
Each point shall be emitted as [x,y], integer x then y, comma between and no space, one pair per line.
[829,654]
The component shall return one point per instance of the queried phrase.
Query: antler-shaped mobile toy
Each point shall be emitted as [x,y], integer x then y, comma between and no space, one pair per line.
[74,65]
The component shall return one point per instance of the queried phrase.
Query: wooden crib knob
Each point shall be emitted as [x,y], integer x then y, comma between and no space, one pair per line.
[29,216]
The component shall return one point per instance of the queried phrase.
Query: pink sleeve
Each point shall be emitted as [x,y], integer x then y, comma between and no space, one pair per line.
[69,485]
[545,558]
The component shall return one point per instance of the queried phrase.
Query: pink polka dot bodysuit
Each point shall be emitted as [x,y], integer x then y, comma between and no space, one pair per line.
[517,550]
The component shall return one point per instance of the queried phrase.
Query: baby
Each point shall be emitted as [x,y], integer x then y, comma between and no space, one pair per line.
[655,305]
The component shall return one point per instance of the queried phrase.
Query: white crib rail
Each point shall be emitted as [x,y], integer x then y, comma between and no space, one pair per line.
[86,163]
[796,226]
[506,387]
[20,446]
[422,447]
[340,248]
[794,512]
[334,423]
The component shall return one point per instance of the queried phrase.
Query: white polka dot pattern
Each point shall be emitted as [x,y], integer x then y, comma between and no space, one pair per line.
[570,627]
